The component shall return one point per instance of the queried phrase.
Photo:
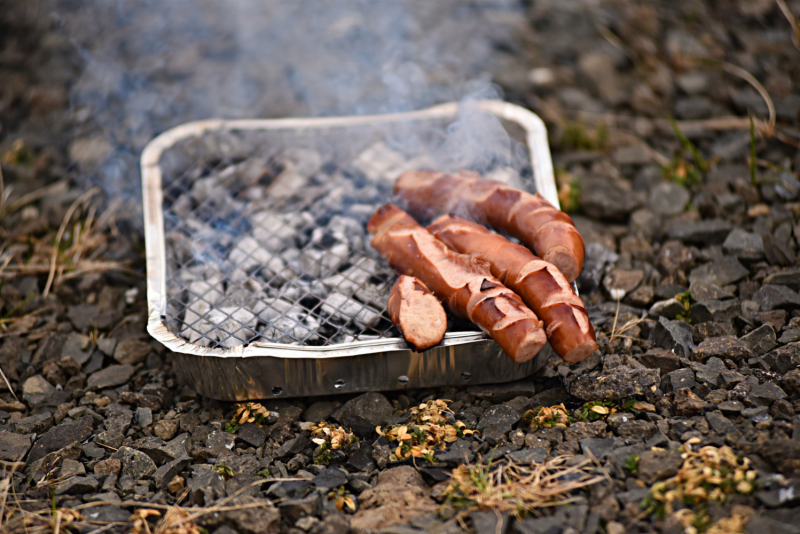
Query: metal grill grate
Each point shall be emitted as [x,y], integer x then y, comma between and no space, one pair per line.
[268,244]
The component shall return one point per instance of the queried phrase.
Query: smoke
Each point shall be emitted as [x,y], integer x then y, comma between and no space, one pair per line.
[150,65]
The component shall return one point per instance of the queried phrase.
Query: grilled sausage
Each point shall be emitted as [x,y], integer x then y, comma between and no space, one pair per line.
[548,231]
[417,313]
[464,284]
[540,285]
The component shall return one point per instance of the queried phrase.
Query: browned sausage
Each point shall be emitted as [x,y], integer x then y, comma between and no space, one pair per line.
[461,282]
[548,231]
[417,313]
[540,285]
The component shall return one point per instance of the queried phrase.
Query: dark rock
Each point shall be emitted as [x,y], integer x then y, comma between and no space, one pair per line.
[501,415]
[720,311]
[292,447]
[131,351]
[668,291]
[107,467]
[661,359]
[668,198]
[721,272]
[687,403]
[682,378]
[218,441]
[244,485]
[361,459]
[600,448]
[618,383]
[636,429]
[572,518]
[765,394]
[783,454]
[318,411]
[658,465]
[144,417]
[675,336]
[710,372]
[140,400]
[13,447]
[111,376]
[37,424]
[776,318]
[37,391]
[722,347]
[584,430]
[504,392]
[364,413]
[703,331]
[528,456]
[606,199]
[786,277]
[107,345]
[134,464]
[791,382]
[744,245]
[252,434]
[78,486]
[719,423]
[457,453]
[205,487]
[245,514]
[790,335]
[703,291]
[622,280]
[783,496]
[549,397]
[293,509]
[640,297]
[668,309]
[770,297]
[79,347]
[62,435]
[730,407]
[330,478]
[495,434]
[782,359]
[169,470]
[760,340]
[750,413]
[704,232]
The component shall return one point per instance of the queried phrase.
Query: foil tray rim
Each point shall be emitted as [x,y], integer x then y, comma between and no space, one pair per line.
[155,246]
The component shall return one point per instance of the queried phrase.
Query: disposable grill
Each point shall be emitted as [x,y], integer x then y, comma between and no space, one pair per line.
[260,274]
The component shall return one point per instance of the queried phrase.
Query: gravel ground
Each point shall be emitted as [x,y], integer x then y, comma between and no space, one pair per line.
[691,280]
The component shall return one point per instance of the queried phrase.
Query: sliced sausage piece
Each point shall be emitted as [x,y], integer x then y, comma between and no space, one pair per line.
[417,313]
[540,285]
[546,230]
[464,284]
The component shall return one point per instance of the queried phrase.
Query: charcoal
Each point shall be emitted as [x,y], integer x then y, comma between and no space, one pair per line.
[339,305]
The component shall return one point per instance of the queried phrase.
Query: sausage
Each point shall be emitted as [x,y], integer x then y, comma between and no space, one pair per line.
[546,230]
[463,283]
[417,313]
[540,285]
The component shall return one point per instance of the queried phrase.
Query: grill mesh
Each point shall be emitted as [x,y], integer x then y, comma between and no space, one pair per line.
[267,243]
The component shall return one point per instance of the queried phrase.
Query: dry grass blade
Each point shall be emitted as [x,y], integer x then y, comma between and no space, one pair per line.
[518,489]
[792,22]
[8,385]
[80,200]
[767,128]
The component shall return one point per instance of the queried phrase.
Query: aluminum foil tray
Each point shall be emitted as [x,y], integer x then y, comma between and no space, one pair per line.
[260,277]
